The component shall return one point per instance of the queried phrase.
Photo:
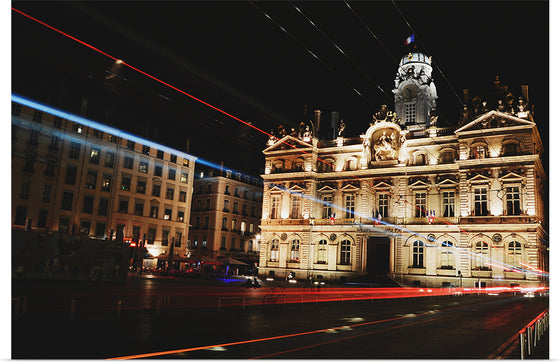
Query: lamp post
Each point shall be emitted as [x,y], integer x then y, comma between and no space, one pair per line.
[460,279]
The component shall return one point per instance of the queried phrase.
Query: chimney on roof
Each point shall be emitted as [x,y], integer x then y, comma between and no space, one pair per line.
[465,95]
[525,92]
[317,121]
[335,118]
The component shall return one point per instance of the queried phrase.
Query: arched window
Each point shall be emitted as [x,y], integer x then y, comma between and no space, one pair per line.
[243,227]
[278,166]
[420,159]
[447,261]
[294,251]
[513,256]
[510,148]
[481,256]
[345,249]
[296,207]
[250,246]
[447,156]
[274,250]
[478,151]
[327,165]
[322,251]
[418,254]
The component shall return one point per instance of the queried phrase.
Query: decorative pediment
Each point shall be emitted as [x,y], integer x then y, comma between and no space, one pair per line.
[382,185]
[275,188]
[296,188]
[511,176]
[493,119]
[326,189]
[418,183]
[287,143]
[479,178]
[446,182]
[349,187]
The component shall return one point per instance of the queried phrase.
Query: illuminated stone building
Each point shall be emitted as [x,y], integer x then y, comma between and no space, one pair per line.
[92,180]
[225,216]
[421,203]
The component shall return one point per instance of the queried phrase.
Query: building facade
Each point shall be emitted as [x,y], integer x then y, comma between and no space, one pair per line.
[424,204]
[75,178]
[225,216]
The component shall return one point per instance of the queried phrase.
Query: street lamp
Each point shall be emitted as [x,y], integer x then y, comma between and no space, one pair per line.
[460,279]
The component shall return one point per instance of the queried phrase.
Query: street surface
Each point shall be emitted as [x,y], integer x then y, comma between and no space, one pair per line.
[173,318]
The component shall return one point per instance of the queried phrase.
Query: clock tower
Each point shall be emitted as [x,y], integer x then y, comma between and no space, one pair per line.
[415,92]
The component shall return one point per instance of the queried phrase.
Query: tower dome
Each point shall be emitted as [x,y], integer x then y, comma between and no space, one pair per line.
[415,92]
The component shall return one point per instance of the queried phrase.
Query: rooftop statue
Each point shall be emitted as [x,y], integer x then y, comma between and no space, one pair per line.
[341,128]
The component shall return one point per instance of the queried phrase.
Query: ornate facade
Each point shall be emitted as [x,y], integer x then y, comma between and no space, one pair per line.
[424,204]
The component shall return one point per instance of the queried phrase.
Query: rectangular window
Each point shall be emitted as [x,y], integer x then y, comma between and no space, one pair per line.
[223,243]
[21,215]
[233,224]
[232,243]
[38,116]
[16,109]
[513,201]
[327,206]
[480,201]
[128,162]
[91,180]
[88,204]
[206,221]
[67,198]
[236,193]
[253,211]
[418,254]
[448,199]
[54,143]
[173,158]
[125,184]
[33,137]
[146,149]
[420,204]
[98,134]
[178,238]
[130,144]
[109,159]
[160,154]
[244,210]
[251,228]
[383,205]
[151,236]
[94,155]
[77,128]
[169,193]
[123,206]
[143,166]
[349,206]
[154,212]
[100,230]
[447,255]
[25,188]
[112,138]
[197,222]
[224,223]
[181,216]
[227,190]
[296,207]
[165,237]
[158,170]
[103,207]
[294,251]
[182,196]
[322,248]
[235,207]
[57,122]
[171,174]
[70,178]
[184,177]
[49,169]
[29,161]
[410,112]
[46,193]
[85,226]
[275,207]
[139,208]
[141,187]
[156,190]
[74,151]
[63,224]
[42,218]
[167,214]
[106,183]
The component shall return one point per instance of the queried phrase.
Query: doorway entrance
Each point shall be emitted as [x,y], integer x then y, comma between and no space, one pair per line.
[378,255]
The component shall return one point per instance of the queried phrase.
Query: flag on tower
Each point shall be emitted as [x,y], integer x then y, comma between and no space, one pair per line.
[409,39]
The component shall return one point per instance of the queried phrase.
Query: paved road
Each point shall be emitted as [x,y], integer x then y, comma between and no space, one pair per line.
[450,327]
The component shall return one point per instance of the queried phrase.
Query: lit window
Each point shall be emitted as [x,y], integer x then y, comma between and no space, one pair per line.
[480,201]
[420,204]
[349,205]
[447,255]
[143,166]
[513,257]
[448,198]
[481,256]
[275,207]
[94,155]
[383,205]
[513,201]
[294,251]
[274,250]
[410,112]
[322,247]
[345,249]
[418,254]
[296,207]
[327,206]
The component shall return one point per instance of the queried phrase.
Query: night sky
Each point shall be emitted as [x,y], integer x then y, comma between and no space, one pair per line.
[231,55]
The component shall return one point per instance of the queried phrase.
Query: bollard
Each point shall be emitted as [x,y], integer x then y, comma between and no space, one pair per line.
[119,307]
[72,309]
[522,345]
[535,335]
[529,341]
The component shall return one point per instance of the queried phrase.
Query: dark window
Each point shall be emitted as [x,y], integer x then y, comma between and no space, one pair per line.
[154,212]
[16,109]
[139,208]
[21,215]
[106,183]
[85,226]
[182,196]
[130,144]
[38,116]
[109,159]
[156,190]
[141,187]
[180,215]
[206,221]
[480,201]
[513,200]
[25,188]
[345,247]
[46,193]
[128,162]
[54,143]
[235,207]
[70,175]
[33,138]
[209,188]
[167,214]
[98,134]
[103,207]
[151,235]
[171,174]
[165,238]
[146,149]
[91,180]
[160,154]
[123,206]
[57,122]
[125,184]
[158,170]
[173,158]
[42,218]
[197,222]
[178,238]
[67,198]
[119,234]
[29,161]
[169,193]
[418,254]
[63,224]
[94,155]
[88,204]
[100,230]
[74,152]
[49,169]
[420,202]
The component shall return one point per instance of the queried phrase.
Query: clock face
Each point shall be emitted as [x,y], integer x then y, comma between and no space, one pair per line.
[410,92]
